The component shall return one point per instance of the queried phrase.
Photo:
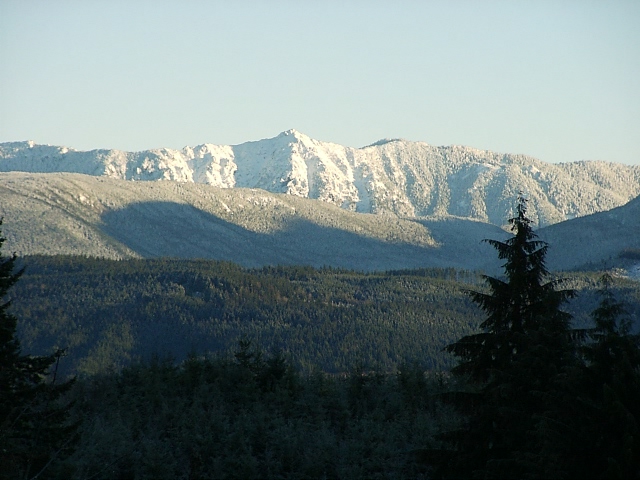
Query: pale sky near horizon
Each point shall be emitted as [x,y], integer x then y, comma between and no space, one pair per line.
[557,80]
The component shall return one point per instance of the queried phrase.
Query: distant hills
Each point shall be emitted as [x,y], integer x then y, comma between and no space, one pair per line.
[76,214]
[408,179]
[601,240]
[63,213]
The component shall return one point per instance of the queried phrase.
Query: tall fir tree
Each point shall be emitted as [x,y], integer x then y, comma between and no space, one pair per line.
[611,432]
[513,364]
[591,428]
[35,433]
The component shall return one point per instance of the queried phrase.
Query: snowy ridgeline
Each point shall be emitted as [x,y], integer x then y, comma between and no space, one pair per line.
[409,179]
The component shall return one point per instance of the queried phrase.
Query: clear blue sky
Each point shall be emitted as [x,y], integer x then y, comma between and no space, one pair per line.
[558,80]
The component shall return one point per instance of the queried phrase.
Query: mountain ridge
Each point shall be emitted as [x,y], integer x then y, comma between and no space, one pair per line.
[77,214]
[406,178]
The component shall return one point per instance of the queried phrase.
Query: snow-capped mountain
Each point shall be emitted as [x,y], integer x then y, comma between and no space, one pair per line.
[409,179]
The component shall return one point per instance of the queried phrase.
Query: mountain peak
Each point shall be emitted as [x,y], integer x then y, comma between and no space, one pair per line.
[295,134]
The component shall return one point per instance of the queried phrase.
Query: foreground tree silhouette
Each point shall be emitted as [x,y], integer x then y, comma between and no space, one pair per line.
[34,432]
[601,423]
[514,365]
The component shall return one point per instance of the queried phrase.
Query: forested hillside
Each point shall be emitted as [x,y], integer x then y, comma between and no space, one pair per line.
[207,370]
[83,215]
[108,314]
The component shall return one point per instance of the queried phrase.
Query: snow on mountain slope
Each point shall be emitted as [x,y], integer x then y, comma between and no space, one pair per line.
[74,214]
[410,179]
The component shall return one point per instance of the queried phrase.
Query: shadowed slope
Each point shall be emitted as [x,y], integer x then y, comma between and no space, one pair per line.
[84,215]
[61,213]
[597,240]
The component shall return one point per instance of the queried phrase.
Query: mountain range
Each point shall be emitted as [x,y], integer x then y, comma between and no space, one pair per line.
[294,200]
[409,179]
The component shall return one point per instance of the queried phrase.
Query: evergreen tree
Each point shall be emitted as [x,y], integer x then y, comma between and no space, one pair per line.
[590,430]
[610,434]
[514,364]
[613,356]
[34,433]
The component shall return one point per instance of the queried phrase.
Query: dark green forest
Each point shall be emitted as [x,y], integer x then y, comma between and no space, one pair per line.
[107,314]
[194,369]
